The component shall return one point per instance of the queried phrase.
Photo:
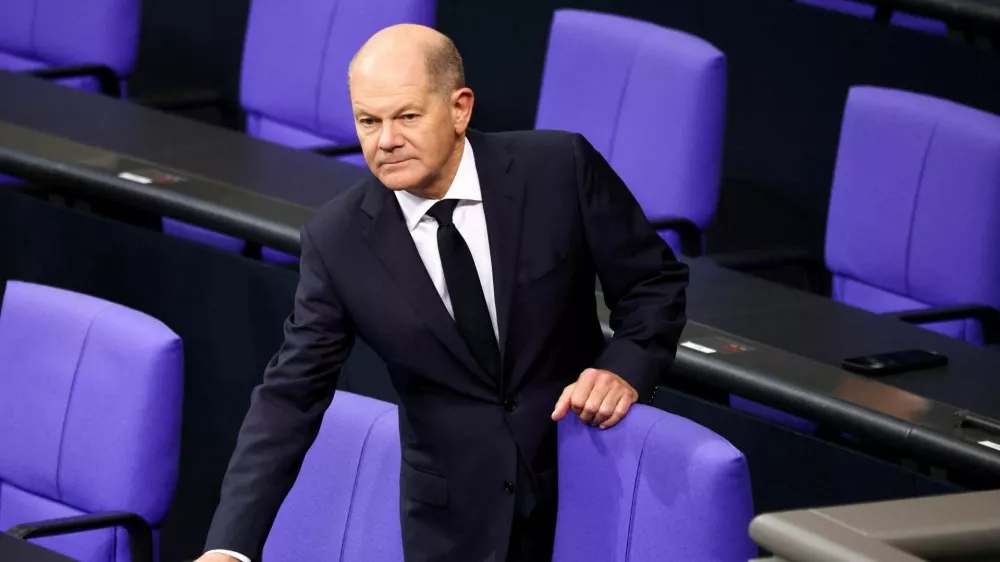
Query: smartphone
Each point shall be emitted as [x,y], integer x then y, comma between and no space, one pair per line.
[895,362]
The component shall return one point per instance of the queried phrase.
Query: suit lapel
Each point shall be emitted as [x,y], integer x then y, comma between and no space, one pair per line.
[391,242]
[503,197]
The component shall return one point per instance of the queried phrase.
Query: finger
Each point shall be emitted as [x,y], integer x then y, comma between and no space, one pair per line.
[562,405]
[593,403]
[622,408]
[582,389]
[607,407]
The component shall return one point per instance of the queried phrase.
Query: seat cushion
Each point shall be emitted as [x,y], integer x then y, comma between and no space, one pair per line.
[173,227]
[18,506]
[71,32]
[861,295]
[15,63]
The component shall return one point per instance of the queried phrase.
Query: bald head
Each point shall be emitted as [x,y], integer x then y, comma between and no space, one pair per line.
[407,45]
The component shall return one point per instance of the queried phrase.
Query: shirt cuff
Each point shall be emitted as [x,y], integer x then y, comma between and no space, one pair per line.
[235,555]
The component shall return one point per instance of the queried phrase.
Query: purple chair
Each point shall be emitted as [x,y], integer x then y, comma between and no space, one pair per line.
[293,86]
[914,211]
[89,45]
[90,417]
[345,503]
[657,487]
[867,11]
[652,101]
[915,208]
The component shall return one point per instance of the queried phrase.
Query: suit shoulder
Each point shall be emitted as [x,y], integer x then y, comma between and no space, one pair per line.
[540,140]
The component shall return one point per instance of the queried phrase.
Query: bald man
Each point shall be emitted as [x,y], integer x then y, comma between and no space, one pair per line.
[467,261]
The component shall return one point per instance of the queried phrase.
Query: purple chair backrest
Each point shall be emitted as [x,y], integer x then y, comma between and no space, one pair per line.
[867,11]
[650,99]
[294,80]
[915,205]
[345,502]
[37,34]
[654,487]
[90,414]
[685,490]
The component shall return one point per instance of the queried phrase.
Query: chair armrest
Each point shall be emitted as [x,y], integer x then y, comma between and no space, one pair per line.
[987,316]
[139,533]
[337,150]
[688,232]
[107,80]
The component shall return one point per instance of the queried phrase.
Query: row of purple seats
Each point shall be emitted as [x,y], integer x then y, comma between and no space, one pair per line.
[619,81]
[913,216]
[867,11]
[655,487]
[86,42]
[90,418]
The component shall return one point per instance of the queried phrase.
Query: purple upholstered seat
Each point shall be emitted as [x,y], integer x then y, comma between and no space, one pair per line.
[650,99]
[915,206]
[293,86]
[914,211]
[90,413]
[656,487]
[37,34]
[867,11]
[345,503]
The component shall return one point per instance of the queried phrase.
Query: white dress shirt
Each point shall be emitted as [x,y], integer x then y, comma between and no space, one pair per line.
[470,220]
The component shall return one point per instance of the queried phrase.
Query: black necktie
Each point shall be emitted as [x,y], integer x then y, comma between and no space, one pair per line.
[467,301]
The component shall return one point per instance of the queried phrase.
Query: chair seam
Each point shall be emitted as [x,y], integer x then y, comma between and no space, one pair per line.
[354,489]
[635,491]
[916,202]
[31,30]
[69,400]
[621,100]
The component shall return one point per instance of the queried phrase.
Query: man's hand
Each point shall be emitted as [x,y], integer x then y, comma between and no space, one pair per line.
[600,398]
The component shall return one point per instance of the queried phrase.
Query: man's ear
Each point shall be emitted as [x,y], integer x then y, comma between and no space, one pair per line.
[462,101]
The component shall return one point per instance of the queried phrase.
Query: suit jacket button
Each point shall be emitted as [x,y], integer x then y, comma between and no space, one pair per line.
[509,404]
[508,486]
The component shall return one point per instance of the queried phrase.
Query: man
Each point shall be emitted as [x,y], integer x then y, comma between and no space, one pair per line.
[467,262]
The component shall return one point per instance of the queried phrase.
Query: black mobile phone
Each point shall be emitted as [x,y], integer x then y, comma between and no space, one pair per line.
[895,362]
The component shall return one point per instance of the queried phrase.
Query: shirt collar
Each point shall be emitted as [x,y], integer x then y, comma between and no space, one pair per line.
[464,187]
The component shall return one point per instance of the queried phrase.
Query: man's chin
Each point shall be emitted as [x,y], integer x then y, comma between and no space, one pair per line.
[398,180]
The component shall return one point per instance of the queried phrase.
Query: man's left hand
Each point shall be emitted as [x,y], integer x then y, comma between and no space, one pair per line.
[600,397]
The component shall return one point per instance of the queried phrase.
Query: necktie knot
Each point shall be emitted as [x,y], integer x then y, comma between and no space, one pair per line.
[442,211]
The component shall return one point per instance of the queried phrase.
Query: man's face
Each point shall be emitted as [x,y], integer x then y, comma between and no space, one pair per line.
[407,131]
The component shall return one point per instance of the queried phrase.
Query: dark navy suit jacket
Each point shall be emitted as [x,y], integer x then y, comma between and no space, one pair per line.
[556,215]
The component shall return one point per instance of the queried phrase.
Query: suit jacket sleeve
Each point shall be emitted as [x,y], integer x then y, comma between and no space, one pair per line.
[285,411]
[643,283]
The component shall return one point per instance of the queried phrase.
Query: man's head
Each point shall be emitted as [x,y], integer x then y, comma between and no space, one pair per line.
[411,107]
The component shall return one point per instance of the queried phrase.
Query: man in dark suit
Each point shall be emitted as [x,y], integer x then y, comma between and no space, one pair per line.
[467,262]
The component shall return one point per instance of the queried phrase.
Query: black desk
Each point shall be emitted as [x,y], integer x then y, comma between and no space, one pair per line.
[263,192]
[827,332]
[63,134]
[16,550]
